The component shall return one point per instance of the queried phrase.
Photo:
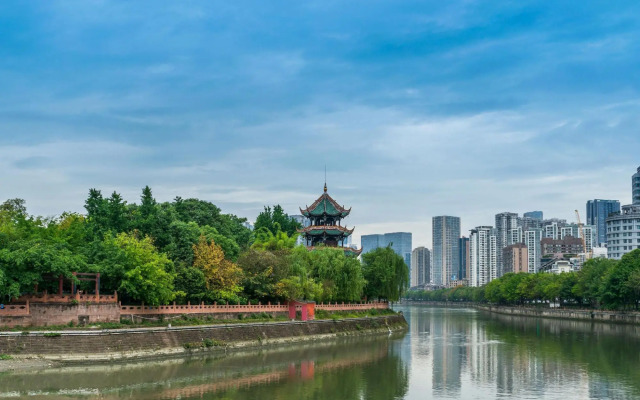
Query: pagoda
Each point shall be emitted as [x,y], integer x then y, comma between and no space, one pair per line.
[325,215]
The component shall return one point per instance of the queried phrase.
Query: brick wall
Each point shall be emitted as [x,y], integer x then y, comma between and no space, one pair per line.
[46,314]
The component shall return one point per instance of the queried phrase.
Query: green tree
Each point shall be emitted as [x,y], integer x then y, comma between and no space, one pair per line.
[261,271]
[590,280]
[137,269]
[616,290]
[386,274]
[276,220]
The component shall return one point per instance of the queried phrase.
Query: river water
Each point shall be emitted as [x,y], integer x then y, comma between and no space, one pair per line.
[446,354]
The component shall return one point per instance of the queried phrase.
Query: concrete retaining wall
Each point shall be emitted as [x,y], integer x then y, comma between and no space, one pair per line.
[590,315]
[129,343]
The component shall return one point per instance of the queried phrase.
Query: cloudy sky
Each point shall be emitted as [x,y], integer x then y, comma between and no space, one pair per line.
[417,108]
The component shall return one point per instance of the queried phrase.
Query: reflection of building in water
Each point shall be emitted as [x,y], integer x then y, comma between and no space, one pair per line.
[448,353]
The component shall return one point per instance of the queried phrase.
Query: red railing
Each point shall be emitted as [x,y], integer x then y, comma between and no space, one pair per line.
[258,308]
[67,298]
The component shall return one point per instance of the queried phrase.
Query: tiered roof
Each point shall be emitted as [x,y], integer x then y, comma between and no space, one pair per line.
[325,205]
[331,230]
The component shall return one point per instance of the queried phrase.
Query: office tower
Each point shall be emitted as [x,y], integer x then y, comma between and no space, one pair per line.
[420,266]
[446,235]
[597,212]
[623,231]
[463,258]
[533,215]
[400,243]
[635,187]
[532,240]
[515,258]
[483,249]
[505,222]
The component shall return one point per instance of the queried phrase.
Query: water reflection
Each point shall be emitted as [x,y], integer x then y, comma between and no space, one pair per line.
[354,368]
[458,353]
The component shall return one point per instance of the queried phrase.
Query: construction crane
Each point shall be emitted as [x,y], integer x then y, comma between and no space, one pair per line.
[587,254]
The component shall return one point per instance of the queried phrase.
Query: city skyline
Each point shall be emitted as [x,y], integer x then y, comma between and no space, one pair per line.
[469,109]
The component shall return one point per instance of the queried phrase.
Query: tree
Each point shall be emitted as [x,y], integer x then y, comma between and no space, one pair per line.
[341,275]
[97,213]
[590,280]
[137,269]
[616,290]
[222,277]
[276,220]
[262,270]
[267,240]
[386,274]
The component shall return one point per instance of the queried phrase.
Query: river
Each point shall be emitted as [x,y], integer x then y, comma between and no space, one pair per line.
[446,354]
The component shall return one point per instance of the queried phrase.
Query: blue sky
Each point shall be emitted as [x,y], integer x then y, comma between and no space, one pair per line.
[418,108]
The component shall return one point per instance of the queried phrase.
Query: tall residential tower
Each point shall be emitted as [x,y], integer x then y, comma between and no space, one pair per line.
[446,235]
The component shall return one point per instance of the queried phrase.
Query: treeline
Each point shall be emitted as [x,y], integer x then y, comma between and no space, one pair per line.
[184,250]
[601,283]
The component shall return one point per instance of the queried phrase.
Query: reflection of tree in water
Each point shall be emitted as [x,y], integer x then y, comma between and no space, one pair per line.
[353,368]
[608,352]
[382,378]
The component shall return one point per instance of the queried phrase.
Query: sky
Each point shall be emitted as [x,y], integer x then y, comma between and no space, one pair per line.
[417,108]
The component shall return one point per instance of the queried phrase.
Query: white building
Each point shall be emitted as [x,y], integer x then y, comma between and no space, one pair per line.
[623,231]
[532,240]
[483,254]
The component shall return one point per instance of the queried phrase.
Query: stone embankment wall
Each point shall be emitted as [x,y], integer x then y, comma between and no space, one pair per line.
[589,315]
[149,342]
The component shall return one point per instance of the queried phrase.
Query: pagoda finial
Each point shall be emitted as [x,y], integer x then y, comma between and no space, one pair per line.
[325,178]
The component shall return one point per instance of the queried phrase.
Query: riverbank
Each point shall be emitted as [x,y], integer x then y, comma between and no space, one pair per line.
[582,315]
[118,344]
[618,317]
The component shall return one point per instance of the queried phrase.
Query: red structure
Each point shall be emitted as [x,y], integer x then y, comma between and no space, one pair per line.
[307,310]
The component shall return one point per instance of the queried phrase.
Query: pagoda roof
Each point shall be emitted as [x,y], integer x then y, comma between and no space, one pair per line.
[331,230]
[325,205]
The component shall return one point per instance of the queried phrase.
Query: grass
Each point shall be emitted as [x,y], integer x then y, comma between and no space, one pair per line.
[5,357]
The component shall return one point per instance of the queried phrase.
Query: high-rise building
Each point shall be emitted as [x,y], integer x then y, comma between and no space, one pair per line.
[623,231]
[590,235]
[532,240]
[515,258]
[420,266]
[533,215]
[597,212]
[505,223]
[551,227]
[483,249]
[528,223]
[463,258]
[400,243]
[446,235]
[635,187]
